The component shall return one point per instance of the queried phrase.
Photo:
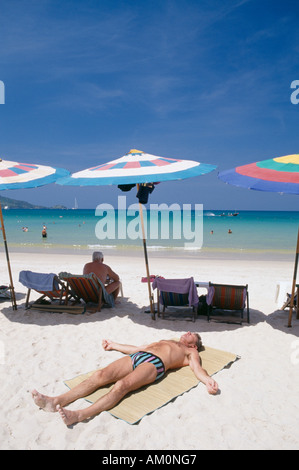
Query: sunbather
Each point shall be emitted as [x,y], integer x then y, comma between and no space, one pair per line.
[142,365]
[108,277]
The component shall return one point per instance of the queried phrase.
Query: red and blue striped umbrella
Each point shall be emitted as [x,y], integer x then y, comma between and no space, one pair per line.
[279,175]
[16,175]
[137,167]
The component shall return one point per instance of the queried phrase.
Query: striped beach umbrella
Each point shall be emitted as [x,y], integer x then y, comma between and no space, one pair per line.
[280,175]
[138,167]
[16,175]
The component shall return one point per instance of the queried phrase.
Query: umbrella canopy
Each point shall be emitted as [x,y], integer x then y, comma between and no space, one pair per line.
[275,175]
[279,175]
[16,175]
[137,167]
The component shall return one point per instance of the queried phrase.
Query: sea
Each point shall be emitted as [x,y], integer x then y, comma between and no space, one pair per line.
[206,233]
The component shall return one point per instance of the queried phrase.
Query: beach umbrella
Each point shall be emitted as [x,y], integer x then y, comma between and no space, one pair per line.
[281,175]
[16,175]
[138,168]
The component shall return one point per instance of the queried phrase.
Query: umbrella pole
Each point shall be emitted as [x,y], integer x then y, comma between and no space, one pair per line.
[146,261]
[13,297]
[294,284]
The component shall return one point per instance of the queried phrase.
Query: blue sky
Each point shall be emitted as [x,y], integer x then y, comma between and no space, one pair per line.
[88,80]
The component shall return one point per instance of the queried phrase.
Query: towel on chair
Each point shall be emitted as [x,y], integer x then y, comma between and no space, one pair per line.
[178,286]
[38,281]
[210,295]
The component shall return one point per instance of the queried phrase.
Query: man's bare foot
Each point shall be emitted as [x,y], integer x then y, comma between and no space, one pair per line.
[47,403]
[69,417]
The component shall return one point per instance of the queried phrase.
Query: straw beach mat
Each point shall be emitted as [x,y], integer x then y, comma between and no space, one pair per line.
[175,382]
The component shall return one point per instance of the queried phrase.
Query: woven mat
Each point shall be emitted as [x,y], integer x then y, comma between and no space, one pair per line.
[176,382]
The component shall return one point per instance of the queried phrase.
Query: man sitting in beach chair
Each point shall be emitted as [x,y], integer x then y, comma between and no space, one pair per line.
[141,366]
[89,288]
[103,272]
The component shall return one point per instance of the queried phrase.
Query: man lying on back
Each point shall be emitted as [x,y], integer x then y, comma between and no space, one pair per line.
[141,366]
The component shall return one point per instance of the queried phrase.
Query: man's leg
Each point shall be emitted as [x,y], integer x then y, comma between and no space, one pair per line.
[105,376]
[113,288]
[144,374]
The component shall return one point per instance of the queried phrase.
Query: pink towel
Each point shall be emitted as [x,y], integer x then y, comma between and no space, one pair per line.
[178,286]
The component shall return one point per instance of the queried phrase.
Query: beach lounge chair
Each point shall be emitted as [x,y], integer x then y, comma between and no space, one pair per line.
[4,292]
[89,288]
[48,285]
[288,302]
[7,292]
[174,293]
[227,302]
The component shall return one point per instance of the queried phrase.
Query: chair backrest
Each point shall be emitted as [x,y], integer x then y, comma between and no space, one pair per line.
[174,299]
[86,287]
[177,292]
[45,283]
[229,297]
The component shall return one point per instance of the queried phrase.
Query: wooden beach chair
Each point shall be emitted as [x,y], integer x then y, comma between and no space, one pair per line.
[174,295]
[4,292]
[89,288]
[48,285]
[287,303]
[227,302]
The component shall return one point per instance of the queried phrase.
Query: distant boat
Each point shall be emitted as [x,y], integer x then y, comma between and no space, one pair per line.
[230,214]
[76,204]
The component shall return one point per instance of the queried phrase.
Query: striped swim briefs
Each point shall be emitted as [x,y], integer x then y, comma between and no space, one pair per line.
[142,356]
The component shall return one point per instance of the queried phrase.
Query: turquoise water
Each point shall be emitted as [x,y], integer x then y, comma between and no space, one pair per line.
[252,231]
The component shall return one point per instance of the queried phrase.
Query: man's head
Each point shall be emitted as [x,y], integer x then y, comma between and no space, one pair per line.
[97,256]
[192,340]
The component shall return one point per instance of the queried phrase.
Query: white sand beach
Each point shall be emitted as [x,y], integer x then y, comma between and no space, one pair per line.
[257,407]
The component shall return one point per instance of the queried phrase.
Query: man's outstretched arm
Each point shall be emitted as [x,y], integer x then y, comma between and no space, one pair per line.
[201,374]
[109,345]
